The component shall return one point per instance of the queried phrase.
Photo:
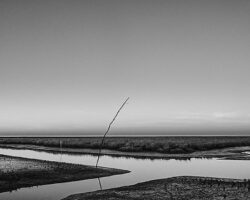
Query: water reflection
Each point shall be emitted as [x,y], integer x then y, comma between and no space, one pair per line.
[141,170]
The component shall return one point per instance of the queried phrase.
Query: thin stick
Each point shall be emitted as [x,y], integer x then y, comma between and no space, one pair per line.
[100,149]
[61,143]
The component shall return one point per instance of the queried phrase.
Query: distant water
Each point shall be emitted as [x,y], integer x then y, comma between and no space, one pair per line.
[132,135]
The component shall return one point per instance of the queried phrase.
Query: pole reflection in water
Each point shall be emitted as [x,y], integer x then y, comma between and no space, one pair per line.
[100,184]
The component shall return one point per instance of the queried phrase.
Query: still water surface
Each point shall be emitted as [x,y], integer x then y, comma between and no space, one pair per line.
[141,170]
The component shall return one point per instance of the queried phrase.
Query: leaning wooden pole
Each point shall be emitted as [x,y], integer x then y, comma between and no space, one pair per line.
[100,149]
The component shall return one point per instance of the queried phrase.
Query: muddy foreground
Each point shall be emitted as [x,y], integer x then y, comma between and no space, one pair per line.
[176,188]
[18,172]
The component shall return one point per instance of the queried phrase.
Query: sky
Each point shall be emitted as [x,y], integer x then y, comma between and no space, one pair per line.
[67,65]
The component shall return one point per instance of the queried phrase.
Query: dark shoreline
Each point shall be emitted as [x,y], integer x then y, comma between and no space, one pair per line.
[45,172]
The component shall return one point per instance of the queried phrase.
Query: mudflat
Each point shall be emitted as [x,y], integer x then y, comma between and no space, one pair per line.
[181,188]
[16,172]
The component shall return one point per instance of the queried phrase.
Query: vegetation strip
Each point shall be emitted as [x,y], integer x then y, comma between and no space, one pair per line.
[166,145]
[227,153]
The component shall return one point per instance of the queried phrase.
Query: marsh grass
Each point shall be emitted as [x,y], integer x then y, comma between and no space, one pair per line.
[172,145]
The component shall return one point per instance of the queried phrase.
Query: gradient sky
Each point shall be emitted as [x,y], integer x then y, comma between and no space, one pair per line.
[67,65]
